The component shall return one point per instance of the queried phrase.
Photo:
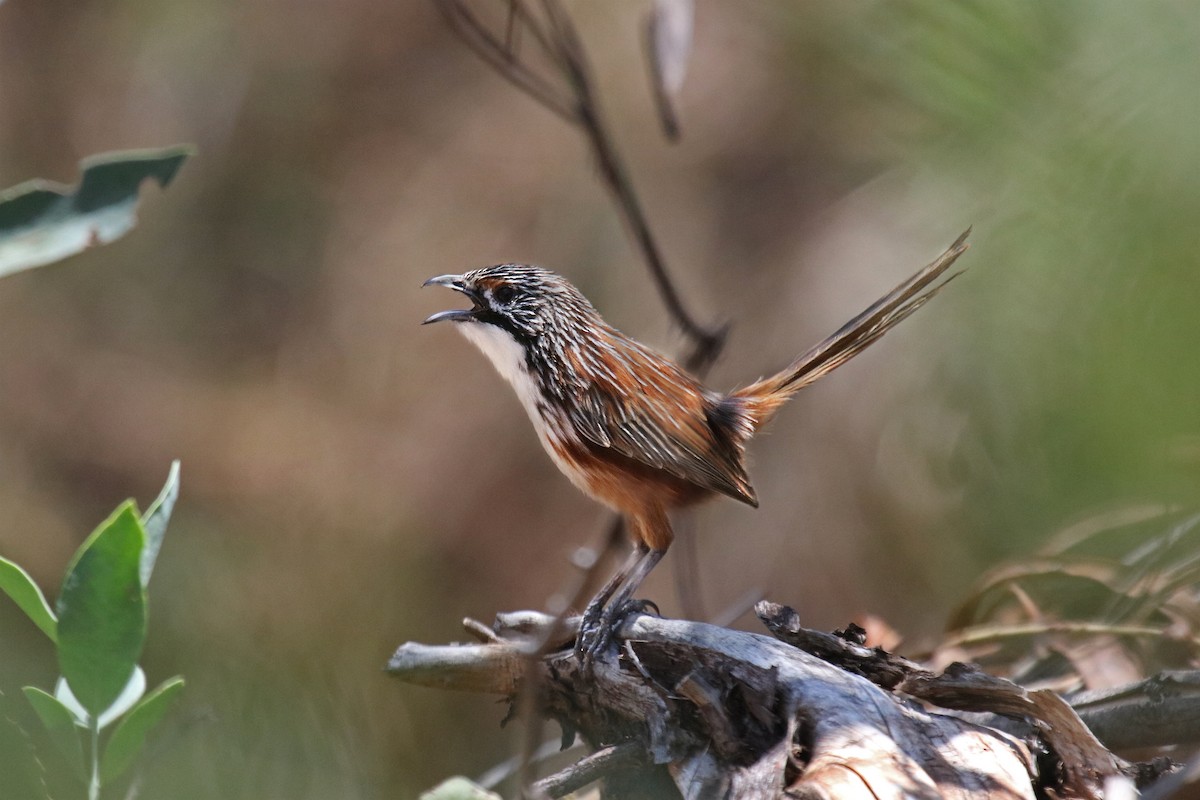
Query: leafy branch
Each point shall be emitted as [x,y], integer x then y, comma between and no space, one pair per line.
[98,627]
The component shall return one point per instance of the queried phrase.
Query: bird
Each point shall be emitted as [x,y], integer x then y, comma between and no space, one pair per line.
[627,425]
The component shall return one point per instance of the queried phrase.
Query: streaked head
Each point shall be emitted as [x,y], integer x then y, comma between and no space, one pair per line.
[523,319]
[523,300]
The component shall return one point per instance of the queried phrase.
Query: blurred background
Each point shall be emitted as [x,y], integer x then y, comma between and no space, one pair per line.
[352,481]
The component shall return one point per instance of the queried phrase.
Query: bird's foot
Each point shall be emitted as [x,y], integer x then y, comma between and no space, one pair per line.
[598,626]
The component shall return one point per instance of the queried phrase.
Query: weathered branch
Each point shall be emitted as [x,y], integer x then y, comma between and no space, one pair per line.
[1161,710]
[724,713]
[962,687]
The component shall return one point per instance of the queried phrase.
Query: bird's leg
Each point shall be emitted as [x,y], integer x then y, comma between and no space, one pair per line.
[589,624]
[620,603]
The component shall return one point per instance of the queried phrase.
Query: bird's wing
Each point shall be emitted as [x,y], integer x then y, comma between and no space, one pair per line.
[645,408]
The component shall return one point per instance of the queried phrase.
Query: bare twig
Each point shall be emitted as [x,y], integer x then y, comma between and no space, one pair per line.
[879,667]
[686,571]
[480,631]
[1161,710]
[591,768]
[502,55]
[569,93]
[740,606]
[506,769]
[982,634]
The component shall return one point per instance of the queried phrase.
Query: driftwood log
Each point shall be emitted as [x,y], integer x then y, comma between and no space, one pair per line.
[691,710]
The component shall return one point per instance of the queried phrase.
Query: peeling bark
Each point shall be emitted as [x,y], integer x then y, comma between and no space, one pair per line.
[690,710]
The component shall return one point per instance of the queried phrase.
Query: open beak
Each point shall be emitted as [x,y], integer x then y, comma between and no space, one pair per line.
[456,283]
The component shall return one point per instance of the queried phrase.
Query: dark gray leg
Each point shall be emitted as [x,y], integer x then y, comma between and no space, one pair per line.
[589,625]
[618,604]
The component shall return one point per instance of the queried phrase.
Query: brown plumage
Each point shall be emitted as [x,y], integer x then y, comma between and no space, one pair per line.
[627,425]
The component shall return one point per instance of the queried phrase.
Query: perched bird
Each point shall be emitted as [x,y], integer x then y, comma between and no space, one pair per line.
[627,425]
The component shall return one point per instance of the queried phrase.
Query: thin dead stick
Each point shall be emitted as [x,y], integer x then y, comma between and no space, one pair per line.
[502,55]
[738,607]
[985,634]
[686,570]
[506,769]
[591,768]
[707,342]
[571,96]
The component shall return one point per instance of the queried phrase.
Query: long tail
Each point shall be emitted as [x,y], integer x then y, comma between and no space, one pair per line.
[761,399]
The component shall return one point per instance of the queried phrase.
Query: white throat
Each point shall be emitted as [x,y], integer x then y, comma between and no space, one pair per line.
[508,357]
[551,424]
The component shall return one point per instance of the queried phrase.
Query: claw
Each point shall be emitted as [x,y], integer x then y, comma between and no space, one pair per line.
[595,645]
[599,625]
[636,606]
[595,633]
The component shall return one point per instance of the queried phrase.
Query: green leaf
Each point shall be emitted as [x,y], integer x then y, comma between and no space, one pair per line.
[129,736]
[155,521]
[42,222]
[17,584]
[62,726]
[102,611]
[22,773]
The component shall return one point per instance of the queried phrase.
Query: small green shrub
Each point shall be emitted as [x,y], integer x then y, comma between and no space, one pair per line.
[98,626]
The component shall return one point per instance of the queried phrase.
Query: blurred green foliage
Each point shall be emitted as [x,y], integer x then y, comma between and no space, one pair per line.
[1068,127]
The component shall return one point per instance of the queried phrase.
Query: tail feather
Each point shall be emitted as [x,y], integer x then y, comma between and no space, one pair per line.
[762,398]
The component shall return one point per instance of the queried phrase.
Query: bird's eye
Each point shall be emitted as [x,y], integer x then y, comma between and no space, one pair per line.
[504,293]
